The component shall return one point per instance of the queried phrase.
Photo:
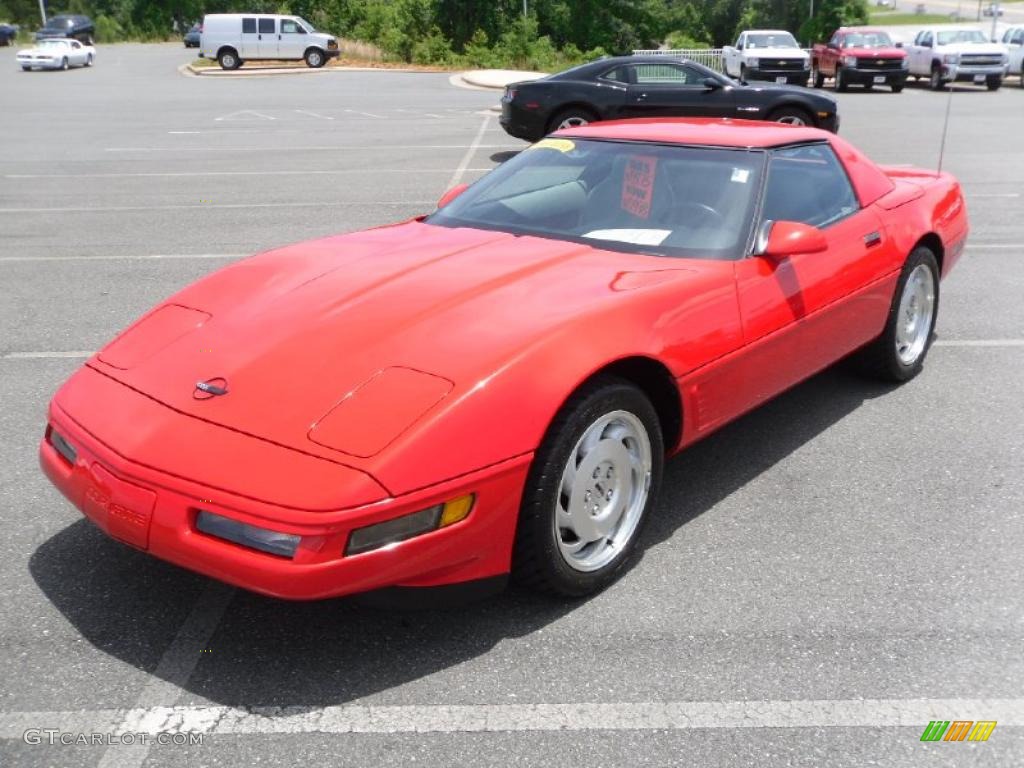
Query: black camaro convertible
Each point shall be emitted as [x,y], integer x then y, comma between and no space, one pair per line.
[653,86]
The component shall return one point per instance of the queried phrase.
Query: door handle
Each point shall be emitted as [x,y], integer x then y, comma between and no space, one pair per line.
[872,239]
[259,37]
[641,97]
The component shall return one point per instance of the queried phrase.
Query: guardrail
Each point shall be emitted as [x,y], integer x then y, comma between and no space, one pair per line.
[709,57]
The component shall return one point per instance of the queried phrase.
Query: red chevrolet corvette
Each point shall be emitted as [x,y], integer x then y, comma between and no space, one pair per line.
[493,389]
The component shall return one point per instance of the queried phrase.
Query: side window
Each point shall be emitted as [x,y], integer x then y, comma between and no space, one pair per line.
[665,74]
[926,39]
[248,26]
[267,26]
[289,27]
[739,42]
[836,40]
[808,184]
[1018,38]
[76,45]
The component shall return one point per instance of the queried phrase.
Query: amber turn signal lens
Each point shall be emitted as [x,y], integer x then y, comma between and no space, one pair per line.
[456,510]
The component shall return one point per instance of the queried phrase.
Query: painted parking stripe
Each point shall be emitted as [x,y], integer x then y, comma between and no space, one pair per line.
[209,206]
[504,718]
[129,257]
[193,174]
[172,671]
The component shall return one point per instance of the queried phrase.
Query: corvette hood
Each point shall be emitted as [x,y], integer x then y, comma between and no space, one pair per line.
[401,316]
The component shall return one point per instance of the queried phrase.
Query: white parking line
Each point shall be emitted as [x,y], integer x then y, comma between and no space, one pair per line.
[313,114]
[192,174]
[44,355]
[979,342]
[319,148]
[993,194]
[470,152]
[365,114]
[129,257]
[206,206]
[540,717]
[173,670]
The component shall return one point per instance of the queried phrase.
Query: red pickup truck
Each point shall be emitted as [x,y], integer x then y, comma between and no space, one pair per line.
[859,56]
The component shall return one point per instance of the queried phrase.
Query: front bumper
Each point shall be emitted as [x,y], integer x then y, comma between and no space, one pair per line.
[870,76]
[960,72]
[154,510]
[773,75]
[39,63]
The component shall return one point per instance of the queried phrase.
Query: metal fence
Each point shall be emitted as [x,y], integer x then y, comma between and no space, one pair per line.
[709,57]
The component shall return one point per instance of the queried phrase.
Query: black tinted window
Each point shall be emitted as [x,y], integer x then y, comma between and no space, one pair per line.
[665,74]
[267,26]
[249,26]
[808,184]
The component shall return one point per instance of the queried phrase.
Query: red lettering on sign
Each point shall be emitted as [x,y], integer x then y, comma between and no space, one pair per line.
[638,185]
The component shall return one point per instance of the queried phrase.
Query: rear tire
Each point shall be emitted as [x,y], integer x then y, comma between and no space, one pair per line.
[589,490]
[88,60]
[898,354]
[315,58]
[571,118]
[228,59]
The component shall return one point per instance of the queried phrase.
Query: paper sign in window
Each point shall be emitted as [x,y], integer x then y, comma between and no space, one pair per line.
[638,185]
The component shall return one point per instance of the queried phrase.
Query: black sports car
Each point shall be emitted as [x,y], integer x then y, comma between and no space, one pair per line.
[653,86]
[70,25]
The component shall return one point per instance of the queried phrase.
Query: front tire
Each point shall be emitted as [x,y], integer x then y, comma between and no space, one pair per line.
[897,87]
[791,116]
[592,482]
[817,78]
[898,354]
[315,58]
[228,59]
[994,82]
[64,64]
[88,60]
[935,81]
[841,84]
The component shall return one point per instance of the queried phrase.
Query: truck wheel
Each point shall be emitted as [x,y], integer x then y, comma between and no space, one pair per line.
[993,82]
[315,58]
[897,87]
[841,84]
[743,73]
[228,59]
[935,82]
[817,78]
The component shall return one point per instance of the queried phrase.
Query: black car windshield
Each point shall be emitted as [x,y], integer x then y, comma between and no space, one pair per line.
[773,40]
[692,202]
[867,40]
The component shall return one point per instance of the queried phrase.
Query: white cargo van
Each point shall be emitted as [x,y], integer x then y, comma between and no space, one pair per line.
[232,38]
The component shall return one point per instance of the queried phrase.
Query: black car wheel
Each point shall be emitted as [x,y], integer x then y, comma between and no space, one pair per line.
[791,116]
[896,87]
[817,78]
[315,58]
[228,59]
[935,82]
[993,82]
[840,80]
[571,118]
[589,490]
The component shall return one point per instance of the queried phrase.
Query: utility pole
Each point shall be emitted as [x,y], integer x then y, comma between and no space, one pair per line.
[524,9]
[42,10]
[996,7]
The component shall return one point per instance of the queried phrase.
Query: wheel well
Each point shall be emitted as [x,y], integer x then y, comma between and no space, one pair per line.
[657,382]
[224,48]
[793,105]
[312,48]
[933,243]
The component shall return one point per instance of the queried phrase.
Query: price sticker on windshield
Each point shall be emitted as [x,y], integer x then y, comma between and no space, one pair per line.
[638,185]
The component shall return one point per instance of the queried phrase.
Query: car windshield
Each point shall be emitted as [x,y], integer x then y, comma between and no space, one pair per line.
[962,36]
[692,202]
[774,40]
[306,24]
[52,44]
[868,40]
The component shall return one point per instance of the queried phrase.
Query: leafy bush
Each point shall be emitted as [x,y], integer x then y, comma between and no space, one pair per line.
[108,30]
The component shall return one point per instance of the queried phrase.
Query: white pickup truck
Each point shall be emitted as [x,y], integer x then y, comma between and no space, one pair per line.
[767,54]
[948,54]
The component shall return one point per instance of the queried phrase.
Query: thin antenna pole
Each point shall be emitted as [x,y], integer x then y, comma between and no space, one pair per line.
[945,127]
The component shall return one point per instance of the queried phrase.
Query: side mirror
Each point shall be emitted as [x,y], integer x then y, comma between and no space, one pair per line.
[451,194]
[779,239]
[711,84]
[899,43]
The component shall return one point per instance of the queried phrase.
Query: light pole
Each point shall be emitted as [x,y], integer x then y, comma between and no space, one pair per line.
[995,16]
[42,10]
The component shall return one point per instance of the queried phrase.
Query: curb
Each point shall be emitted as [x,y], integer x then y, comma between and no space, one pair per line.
[188,70]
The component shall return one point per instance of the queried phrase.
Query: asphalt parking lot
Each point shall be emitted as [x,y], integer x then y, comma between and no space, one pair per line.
[821,578]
